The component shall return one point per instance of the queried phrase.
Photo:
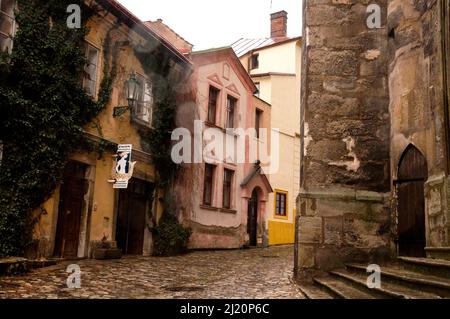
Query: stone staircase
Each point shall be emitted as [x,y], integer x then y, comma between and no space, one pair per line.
[407,278]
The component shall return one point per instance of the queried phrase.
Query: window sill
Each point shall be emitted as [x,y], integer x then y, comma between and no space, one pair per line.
[141,123]
[211,208]
[217,209]
[209,124]
[281,217]
[228,211]
[223,129]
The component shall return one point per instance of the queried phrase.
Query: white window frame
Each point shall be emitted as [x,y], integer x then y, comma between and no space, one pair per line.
[143,111]
[88,64]
[13,25]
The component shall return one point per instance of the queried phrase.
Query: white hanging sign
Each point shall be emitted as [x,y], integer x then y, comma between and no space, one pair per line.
[123,167]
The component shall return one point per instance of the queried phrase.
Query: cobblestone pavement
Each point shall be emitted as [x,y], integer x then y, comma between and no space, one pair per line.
[251,273]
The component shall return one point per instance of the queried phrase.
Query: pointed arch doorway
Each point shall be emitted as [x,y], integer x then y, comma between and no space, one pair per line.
[412,174]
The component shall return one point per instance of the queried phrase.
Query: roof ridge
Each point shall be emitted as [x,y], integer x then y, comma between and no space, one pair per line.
[139,23]
[161,21]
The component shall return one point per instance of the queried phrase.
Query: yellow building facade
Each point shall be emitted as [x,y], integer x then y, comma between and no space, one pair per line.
[275,67]
[85,212]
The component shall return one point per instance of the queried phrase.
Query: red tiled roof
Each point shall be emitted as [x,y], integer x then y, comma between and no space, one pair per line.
[136,22]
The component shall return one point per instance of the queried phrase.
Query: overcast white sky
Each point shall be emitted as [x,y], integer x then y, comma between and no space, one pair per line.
[216,23]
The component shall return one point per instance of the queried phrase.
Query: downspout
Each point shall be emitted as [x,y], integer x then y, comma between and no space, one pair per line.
[445,46]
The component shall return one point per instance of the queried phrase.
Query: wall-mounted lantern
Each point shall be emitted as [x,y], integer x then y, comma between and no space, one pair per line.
[132,90]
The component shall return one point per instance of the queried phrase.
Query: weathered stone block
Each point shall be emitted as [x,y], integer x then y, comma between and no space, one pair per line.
[306,256]
[333,62]
[328,258]
[333,230]
[333,105]
[310,229]
[346,127]
[329,208]
[361,233]
[328,15]
[327,149]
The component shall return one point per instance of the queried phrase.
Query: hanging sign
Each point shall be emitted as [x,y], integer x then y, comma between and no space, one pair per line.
[123,167]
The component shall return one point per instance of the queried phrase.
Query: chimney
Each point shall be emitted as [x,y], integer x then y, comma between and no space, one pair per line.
[278,25]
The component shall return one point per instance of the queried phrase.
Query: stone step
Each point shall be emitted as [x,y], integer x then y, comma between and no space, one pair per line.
[437,267]
[34,264]
[13,266]
[438,252]
[312,291]
[342,289]
[413,279]
[387,289]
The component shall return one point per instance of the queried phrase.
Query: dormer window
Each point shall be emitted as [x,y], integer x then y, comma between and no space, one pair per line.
[254,61]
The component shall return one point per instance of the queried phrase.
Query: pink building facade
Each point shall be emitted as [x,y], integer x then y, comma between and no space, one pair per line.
[222,199]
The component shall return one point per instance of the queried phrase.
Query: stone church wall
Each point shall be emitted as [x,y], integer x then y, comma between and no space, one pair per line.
[417,105]
[344,202]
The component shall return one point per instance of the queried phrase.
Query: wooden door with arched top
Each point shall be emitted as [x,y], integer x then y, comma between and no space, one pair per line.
[412,174]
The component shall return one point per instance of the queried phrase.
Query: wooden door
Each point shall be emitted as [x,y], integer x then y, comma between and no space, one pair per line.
[131,219]
[73,188]
[411,203]
[252,222]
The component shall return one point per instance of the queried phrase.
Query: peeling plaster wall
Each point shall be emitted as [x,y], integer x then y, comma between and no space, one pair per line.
[344,200]
[417,103]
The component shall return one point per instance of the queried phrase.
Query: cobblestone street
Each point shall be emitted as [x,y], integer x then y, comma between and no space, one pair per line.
[254,273]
